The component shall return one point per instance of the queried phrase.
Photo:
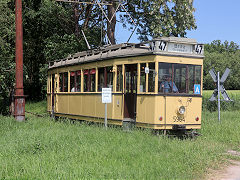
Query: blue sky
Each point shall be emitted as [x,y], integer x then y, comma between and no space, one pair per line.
[215,19]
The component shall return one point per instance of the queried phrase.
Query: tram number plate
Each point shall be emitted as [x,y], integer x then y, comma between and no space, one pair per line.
[178,119]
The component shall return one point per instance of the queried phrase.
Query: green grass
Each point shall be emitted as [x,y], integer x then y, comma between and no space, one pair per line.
[39,108]
[225,106]
[41,148]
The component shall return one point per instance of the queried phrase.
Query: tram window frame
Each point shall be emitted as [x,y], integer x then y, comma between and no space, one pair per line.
[101,72]
[109,77]
[194,77]
[183,77]
[105,78]
[119,82]
[75,81]
[63,82]
[152,73]
[143,78]
[85,80]
[92,80]
[89,80]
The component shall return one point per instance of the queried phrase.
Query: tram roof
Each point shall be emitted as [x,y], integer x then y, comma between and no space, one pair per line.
[167,46]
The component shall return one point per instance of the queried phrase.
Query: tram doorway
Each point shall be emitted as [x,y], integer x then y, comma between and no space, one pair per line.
[130,93]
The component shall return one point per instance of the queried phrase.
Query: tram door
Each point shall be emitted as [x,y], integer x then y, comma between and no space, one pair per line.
[130,94]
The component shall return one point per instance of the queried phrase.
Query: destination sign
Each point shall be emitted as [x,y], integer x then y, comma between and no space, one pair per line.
[182,48]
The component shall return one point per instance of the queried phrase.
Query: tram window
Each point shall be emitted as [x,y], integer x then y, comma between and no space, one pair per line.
[89,80]
[75,81]
[181,80]
[72,81]
[92,80]
[78,81]
[119,78]
[151,77]
[63,82]
[105,78]
[110,77]
[165,78]
[178,78]
[142,78]
[100,79]
[194,77]
[86,81]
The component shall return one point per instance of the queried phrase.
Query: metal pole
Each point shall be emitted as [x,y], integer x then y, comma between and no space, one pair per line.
[105,121]
[218,86]
[19,94]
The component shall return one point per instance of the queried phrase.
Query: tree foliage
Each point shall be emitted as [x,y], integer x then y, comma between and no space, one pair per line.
[52,30]
[156,18]
[48,34]
[220,56]
[7,65]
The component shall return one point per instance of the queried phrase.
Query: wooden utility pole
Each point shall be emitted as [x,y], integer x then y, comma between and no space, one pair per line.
[19,110]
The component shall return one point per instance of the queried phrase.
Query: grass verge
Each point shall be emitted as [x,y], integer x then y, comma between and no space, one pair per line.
[225,106]
[41,148]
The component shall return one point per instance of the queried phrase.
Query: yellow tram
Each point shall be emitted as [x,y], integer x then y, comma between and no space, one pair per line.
[155,84]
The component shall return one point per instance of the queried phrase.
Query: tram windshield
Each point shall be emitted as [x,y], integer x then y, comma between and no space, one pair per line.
[179,78]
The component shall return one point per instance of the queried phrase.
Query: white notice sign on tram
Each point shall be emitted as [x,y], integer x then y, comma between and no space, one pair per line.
[106,95]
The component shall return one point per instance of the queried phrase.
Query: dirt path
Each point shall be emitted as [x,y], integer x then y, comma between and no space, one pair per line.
[230,172]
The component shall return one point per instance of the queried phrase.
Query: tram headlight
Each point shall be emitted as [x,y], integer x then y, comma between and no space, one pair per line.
[181,110]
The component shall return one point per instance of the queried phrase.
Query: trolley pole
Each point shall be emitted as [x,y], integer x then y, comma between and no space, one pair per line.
[19,97]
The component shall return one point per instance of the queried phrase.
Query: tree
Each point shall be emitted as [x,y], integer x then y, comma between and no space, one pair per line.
[220,56]
[50,33]
[52,30]
[158,18]
[7,62]
[154,17]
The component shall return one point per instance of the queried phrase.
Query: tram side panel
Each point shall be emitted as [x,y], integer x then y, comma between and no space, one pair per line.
[62,104]
[160,112]
[146,114]
[89,107]
[76,104]
[117,105]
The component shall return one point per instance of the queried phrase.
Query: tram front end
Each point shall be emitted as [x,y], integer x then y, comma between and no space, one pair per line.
[182,113]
